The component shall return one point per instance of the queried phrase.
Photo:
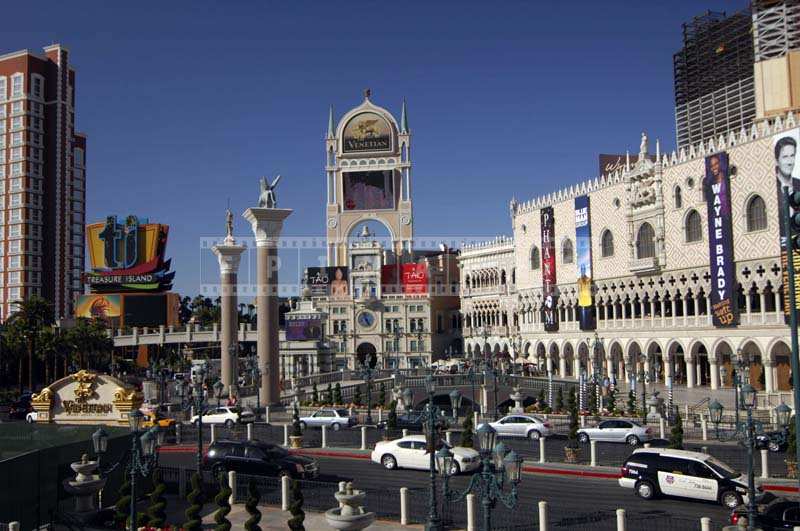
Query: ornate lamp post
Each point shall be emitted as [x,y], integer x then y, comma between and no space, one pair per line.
[398,331]
[255,379]
[367,371]
[219,387]
[497,467]
[455,401]
[196,400]
[429,422]
[472,375]
[144,457]
[643,380]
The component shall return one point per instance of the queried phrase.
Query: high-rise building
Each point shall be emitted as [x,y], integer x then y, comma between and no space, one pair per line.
[42,181]
[713,74]
[776,44]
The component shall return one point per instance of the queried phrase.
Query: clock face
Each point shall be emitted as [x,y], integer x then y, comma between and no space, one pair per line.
[366,319]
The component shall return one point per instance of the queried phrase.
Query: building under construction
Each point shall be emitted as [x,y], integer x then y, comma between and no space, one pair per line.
[714,88]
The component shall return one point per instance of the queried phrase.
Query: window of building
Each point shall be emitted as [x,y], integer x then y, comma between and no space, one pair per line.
[3,88]
[16,185]
[16,169]
[567,251]
[16,154]
[15,277]
[2,115]
[15,246]
[2,145]
[14,294]
[15,231]
[16,215]
[16,107]
[78,157]
[756,214]
[607,244]
[16,123]
[645,241]
[37,86]
[14,262]
[17,85]
[16,139]
[694,227]
[535,260]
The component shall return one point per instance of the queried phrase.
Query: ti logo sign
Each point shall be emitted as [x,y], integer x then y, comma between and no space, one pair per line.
[121,242]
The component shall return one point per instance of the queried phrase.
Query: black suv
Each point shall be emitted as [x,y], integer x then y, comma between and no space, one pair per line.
[259,459]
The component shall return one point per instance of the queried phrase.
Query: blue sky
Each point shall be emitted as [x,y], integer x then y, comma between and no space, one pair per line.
[186,104]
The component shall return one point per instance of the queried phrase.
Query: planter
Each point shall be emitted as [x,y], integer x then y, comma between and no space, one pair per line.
[570,454]
[295,441]
[791,469]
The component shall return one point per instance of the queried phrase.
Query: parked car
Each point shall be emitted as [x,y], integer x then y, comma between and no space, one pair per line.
[226,415]
[258,458]
[622,431]
[773,513]
[521,425]
[31,417]
[411,452]
[20,408]
[335,419]
[774,441]
[406,421]
[681,473]
[153,418]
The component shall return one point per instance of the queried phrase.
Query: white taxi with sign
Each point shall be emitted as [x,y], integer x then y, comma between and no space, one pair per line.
[663,471]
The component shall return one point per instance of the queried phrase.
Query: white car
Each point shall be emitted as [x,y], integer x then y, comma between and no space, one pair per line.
[411,452]
[31,417]
[621,431]
[521,425]
[334,418]
[226,415]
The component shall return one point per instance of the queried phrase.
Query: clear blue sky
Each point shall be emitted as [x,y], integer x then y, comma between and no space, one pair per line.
[186,103]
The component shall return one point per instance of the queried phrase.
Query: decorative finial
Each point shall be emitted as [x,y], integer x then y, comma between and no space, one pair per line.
[330,122]
[229,224]
[367,93]
[404,118]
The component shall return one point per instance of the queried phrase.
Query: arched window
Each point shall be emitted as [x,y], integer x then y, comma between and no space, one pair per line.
[607,244]
[535,261]
[694,227]
[567,252]
[678,197]
[756,214]
[645,242]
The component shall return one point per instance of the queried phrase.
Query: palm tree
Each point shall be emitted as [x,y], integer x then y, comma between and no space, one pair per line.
[30,316]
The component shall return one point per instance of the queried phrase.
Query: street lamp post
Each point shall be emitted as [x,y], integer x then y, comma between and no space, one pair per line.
[219,387]
[367,368]
[197,401]
[643,380]
[430,417]
[144,458]
[255,378]
[497,467]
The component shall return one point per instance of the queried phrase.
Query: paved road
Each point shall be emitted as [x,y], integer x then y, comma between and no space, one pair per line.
[568,497]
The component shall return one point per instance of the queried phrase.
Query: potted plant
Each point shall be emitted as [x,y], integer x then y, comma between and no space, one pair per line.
[571,449]
[296,438]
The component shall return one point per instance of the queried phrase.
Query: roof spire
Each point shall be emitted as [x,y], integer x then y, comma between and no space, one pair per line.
[367,93]
[330,123]
[404,119]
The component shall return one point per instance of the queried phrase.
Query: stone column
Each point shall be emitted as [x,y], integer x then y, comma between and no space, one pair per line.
[562,365]
[769,382]
[714,373]
[267,224]
[690,372]
[228,254]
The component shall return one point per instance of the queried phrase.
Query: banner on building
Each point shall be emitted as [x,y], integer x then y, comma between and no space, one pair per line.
[303,328]
[716,188]
[413,278]
[583,248]
[787,173]
[327,281]
[550,304]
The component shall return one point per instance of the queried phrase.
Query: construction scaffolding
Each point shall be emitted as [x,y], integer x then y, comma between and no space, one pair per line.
[713,74]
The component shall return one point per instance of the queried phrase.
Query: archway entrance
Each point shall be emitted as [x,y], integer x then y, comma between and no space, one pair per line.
[367,355]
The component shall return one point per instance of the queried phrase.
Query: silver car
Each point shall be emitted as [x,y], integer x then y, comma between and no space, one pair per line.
[334,418]
[622,431]
[521,426]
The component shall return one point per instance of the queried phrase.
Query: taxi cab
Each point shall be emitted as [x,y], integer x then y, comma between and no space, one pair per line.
[662,471]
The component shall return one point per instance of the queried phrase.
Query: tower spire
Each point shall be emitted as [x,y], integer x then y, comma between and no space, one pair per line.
[404,119]
[330,122]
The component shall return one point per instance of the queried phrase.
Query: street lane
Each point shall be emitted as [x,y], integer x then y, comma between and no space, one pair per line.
[568,496]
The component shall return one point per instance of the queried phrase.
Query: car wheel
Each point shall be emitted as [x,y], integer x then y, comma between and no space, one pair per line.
[583,438]
[632,440]
[730,499]
[455,469]
[336,426]
[302,426]
[774,446]
[534,435]
[229,424]
[29,420]
[217,469]
[389,462]
[645,490]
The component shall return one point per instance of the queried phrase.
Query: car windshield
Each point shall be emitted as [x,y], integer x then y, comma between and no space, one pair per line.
[273,450]
[721,468]
[343,412]
[637,424]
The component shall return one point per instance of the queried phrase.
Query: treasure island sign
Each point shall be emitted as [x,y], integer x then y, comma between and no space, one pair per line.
[86,398]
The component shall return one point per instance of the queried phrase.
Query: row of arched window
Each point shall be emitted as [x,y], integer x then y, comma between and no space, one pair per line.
[756,219]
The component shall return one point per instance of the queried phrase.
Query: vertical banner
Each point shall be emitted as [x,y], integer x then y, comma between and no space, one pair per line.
[787,174]
[583,246]
[550,306]
[717,191]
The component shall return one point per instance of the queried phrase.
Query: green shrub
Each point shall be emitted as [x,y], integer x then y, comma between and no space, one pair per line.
[223,502]
[296,508]
[676,434]
[156,513]
[251,506]
[195,499]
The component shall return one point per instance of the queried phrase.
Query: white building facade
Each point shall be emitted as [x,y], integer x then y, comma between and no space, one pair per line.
[649,271]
